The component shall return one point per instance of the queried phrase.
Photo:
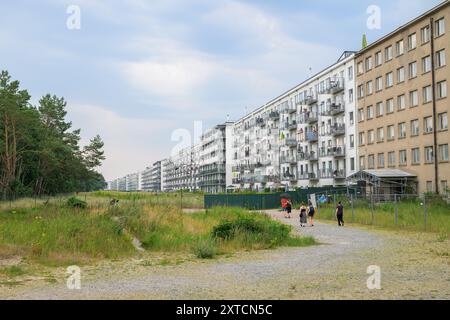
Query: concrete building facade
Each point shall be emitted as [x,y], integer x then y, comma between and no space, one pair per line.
[402,85]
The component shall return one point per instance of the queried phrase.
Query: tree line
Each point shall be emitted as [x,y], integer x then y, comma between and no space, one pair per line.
[40,153]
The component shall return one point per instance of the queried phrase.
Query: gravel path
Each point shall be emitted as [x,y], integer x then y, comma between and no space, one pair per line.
[334,269]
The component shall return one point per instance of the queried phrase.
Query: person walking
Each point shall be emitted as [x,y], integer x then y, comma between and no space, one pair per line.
[303,215]
[288,209]
[340,214]
[311,212]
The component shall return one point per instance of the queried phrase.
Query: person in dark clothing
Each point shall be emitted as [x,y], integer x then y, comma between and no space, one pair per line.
[311,212]
[288,208]
[340,214]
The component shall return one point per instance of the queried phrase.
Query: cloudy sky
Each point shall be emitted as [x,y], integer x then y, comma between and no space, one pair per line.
[138,70]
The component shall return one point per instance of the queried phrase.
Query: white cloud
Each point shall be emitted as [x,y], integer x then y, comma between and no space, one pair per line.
[131,144]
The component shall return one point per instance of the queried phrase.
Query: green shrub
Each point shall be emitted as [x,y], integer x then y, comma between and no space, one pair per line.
[74,202]
[205,249]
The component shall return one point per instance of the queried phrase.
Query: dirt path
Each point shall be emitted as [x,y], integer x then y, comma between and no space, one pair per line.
[412,266]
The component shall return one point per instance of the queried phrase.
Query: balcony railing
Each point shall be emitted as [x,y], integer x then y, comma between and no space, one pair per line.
[290,142]
[288,159]
[338,129]
[274,115]
[311,136]
[333,86]
[311,99]
[309,156]
[333,109]
[339,174]
[289,177]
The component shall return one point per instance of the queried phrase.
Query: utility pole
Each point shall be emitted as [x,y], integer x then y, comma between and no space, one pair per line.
[433,89]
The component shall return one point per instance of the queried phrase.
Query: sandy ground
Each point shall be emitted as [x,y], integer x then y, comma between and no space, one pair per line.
[413,266]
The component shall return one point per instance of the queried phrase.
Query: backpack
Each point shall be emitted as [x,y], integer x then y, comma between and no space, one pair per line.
[311,210]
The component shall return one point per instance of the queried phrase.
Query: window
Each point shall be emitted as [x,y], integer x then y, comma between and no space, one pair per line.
[428,124]
[369,87]
[401,102]
[442,121]
[380,134]
[371,161]
[362,162]
[429,186]
[442,89]
[440,58]
[443,152]
[415,155]
[361,114]
[426,64]
[402,157]
[352,118]
[390,132]
[360,68]
[389,79]
[388,53]
[415,127]
[361,91]
[391,159]
[400,75]
[413,70]
[368,63]
[402,130]
[350,95]
[439,27]
[429,154]
[378,59]
[369,112]
[361,138]
[414,98]
[444,186]
[427,94]
[352,141]
[370,137]
[379,84]
[389,105]
[399,47]
[352,164]
[380,157]
[350,73]
[412,41]
[425,34]
[380,109]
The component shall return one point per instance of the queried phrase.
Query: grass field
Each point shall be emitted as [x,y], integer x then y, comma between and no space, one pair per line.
[55,234]
[410,214]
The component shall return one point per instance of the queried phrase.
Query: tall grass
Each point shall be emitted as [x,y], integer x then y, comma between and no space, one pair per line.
[62,235]
[191,200]
[410,214]
[56,234]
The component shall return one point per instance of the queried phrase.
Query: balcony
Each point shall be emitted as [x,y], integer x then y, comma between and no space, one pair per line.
[313,176]
[326,173]
[338,151]
[308,156]
[274,115]
[288,159]
[333,109]
[339,174]
[311,136]
[338,129]
[290,142]
[336,85]
[311,99]
[289,177]
[292,125]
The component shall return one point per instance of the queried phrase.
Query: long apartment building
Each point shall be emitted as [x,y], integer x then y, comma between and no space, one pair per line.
[384,107]
[305,137]
[202,166]
[402,84]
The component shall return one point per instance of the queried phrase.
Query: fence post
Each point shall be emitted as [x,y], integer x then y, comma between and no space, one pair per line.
[395,209]
[425,212]
[353,209]
[334,208]
[371,201]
